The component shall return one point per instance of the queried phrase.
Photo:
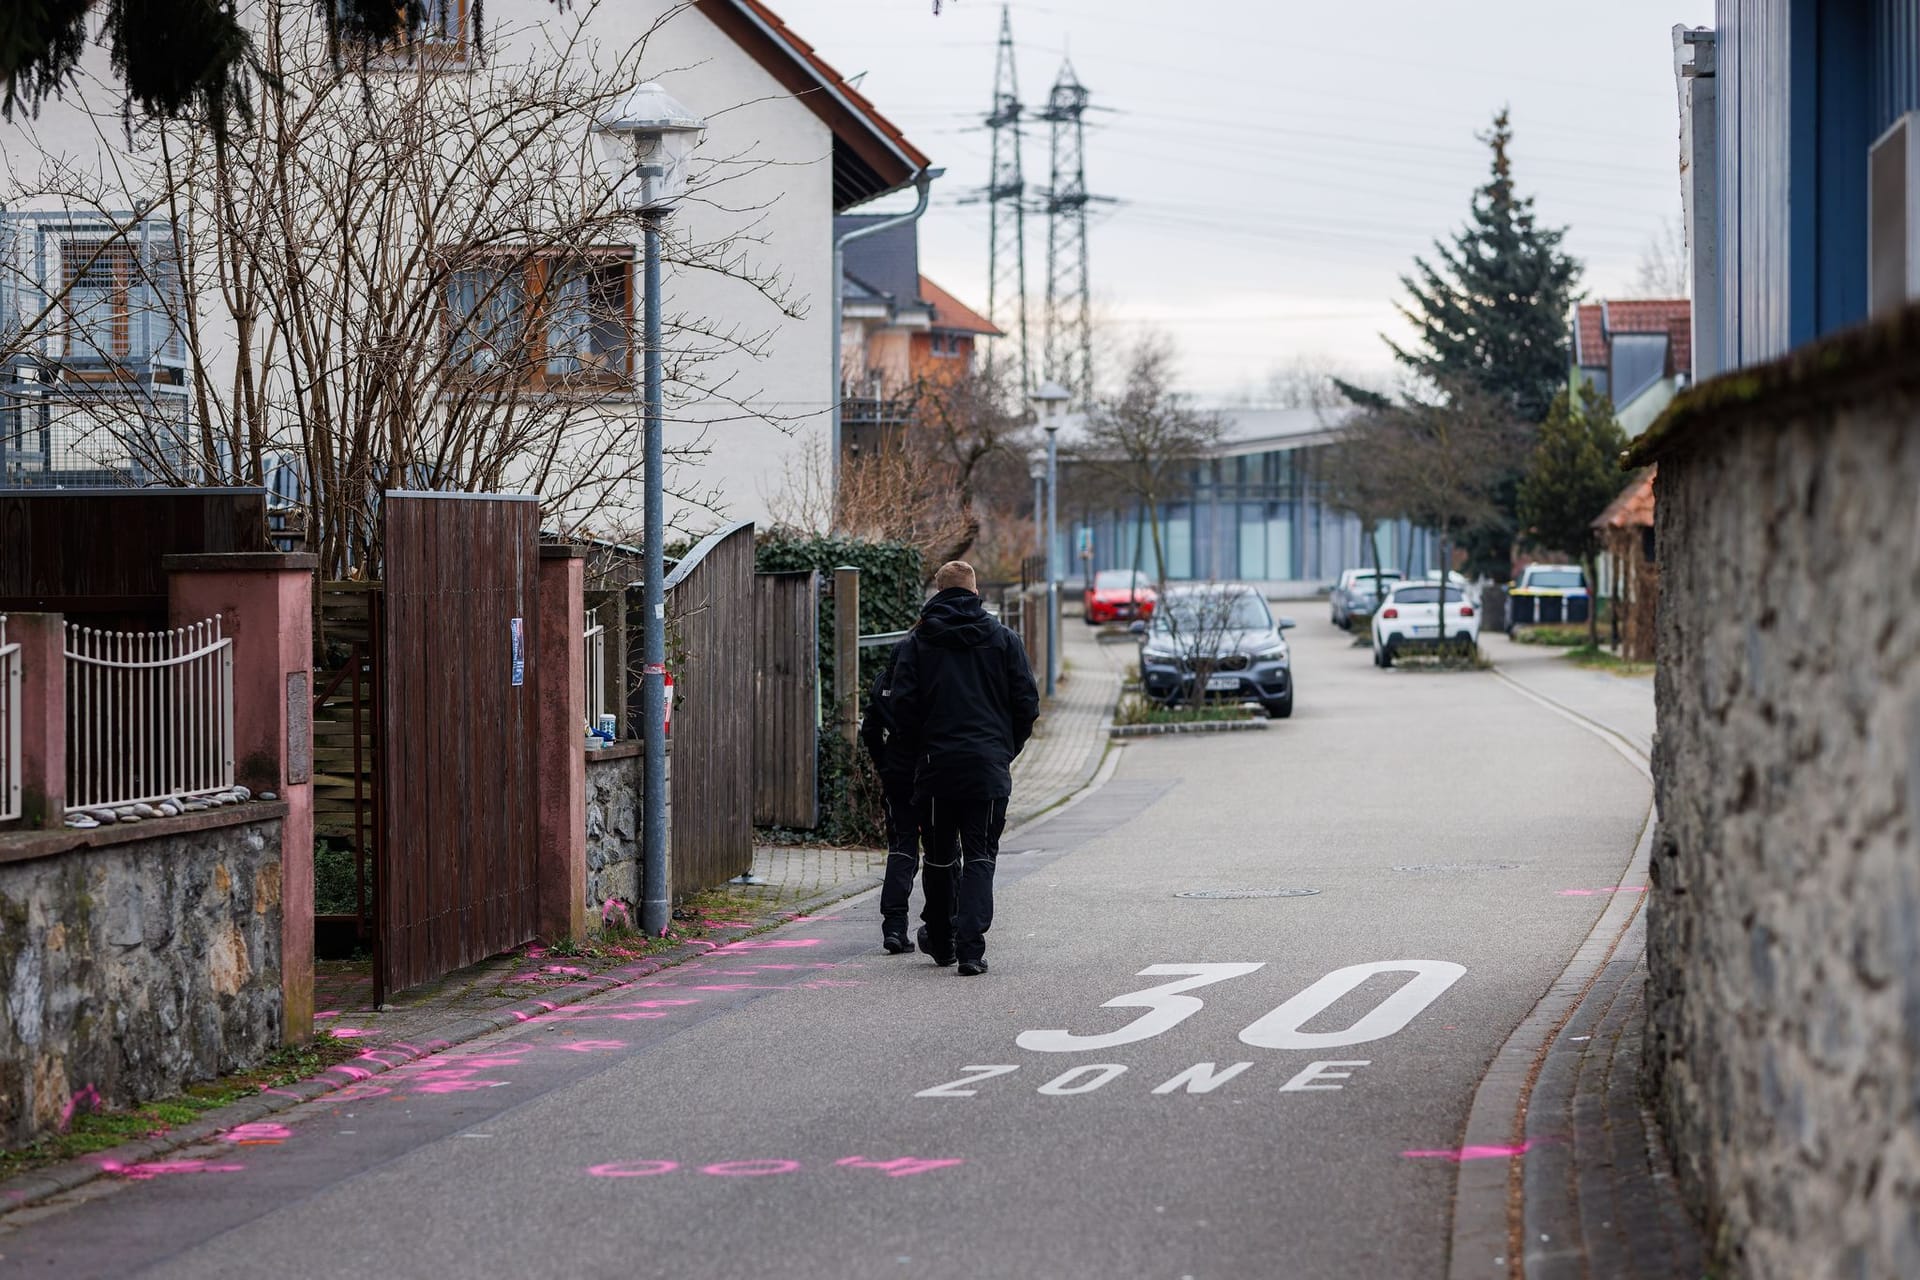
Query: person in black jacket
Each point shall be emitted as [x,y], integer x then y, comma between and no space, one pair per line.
[904,815]
[964,703]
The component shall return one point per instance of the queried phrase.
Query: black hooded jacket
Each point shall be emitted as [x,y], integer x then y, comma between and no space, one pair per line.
[879,731]
[963,699]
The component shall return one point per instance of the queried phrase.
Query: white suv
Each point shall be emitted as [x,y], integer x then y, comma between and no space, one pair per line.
[1411,618]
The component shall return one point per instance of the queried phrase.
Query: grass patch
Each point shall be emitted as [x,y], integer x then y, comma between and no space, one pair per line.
[1138,710]
[1555,634]
[1447,657]
[1597,659]
[92,1131]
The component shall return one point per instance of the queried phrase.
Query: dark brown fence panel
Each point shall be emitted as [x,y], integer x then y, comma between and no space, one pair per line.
[710,626]
[786,699]
[95,553]
[458,800]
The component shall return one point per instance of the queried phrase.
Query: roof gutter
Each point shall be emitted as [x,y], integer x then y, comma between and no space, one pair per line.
[923,184]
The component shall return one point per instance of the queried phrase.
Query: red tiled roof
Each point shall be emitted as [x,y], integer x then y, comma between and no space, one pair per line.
[951,314]
[1590,344]
[1633,509]
[1596,322]
[1680,345]
[876,141]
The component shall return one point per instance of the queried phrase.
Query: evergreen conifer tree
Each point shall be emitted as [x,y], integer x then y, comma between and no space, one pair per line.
[1494,306]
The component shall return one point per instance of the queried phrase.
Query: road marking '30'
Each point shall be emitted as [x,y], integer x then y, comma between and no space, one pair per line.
[1167,1006]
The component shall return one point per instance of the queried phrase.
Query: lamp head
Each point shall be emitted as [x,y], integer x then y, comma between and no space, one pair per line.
[646,145]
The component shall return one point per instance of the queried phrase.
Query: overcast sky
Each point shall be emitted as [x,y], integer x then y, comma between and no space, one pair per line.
[1279,162]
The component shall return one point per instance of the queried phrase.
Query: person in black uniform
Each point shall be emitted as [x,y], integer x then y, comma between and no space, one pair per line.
[964,704]
[904,815]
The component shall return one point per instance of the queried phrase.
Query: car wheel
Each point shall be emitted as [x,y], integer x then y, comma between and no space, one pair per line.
[1386,656]
[1376,657]
[1280,708]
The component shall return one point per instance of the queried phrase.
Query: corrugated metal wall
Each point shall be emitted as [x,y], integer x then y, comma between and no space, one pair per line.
[1805,86]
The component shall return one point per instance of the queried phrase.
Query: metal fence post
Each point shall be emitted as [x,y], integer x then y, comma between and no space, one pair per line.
[846,651]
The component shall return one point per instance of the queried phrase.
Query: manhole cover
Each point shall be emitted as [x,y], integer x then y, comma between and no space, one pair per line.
[1247,893]
[1431,867]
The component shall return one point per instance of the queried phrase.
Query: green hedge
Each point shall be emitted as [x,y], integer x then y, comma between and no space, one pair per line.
[891,583]
[891,591]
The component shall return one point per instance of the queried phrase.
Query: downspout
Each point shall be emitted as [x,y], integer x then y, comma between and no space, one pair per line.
[923,183]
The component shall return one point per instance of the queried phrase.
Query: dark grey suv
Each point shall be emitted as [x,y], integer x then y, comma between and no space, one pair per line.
[1222,638]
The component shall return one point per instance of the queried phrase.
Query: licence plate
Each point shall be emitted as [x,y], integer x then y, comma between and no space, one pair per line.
[1426,631]
[1221,684]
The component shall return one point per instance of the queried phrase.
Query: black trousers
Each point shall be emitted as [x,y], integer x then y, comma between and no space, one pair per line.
[905,820]
[963,842]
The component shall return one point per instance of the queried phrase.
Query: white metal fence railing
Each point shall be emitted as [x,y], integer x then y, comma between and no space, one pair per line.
[149,714]
[9,725]
[596,637]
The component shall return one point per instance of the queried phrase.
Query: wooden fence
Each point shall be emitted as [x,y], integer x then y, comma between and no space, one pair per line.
[786,699]
[710,652]
[459,776]
[94,554]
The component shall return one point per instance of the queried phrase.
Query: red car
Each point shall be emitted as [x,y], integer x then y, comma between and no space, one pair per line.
[1118,595]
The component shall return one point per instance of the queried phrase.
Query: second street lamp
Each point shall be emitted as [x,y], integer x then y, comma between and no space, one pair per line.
[646,144]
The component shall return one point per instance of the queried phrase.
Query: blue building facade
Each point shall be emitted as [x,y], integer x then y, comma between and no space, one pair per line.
[1805,88]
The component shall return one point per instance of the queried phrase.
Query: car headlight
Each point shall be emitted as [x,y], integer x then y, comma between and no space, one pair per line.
[1274,654]
[1152,654]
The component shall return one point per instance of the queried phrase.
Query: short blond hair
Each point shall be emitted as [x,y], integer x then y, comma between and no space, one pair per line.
[955,573]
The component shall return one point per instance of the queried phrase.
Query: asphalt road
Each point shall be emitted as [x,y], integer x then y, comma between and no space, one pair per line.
[804,1106]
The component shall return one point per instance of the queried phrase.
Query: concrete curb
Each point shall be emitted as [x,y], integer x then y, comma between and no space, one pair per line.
[26,1189]
[1487,1204]
[1192,726]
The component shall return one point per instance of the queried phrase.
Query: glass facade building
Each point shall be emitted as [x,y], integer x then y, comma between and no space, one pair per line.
[1252,516]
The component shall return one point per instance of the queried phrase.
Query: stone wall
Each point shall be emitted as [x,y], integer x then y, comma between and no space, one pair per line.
[1784,916]
[614,788]
[135,962]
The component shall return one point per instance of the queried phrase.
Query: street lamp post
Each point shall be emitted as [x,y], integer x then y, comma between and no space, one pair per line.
[646,143]
[1048,398]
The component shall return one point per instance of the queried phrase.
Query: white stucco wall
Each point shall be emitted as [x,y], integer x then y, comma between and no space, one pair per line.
[776,197]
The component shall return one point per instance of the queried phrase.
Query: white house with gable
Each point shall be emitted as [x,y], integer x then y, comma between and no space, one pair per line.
[407,271]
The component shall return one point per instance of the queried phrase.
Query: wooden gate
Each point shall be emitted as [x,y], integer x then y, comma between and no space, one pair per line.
[458,811]
[710,626]
[786,699]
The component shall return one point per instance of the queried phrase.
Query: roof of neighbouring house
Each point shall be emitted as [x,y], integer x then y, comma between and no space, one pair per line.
[871,156]
[1595,322]
[954,315]
[1633,508]
[887,261]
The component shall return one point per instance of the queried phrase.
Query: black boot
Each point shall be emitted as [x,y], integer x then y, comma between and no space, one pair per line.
[893,936]
[973,968]
[942,956]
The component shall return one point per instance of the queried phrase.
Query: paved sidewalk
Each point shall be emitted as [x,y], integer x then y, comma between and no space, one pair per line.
[1071,738]
[1623,704]
[1599,1197]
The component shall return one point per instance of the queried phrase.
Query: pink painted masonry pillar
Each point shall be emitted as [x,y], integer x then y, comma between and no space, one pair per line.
[560,731]
[265,602]
[43,717]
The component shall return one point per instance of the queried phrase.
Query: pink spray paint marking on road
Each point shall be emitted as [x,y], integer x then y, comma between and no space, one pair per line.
[768,944]
[633,1169]
[1589,893]
[326,1013]
[360,1093]
[1457,1154]
[349,1033]
[459,1086]
[751,1168]
[592,1046]
[904,1167]
[163,1168]
[251,1135]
